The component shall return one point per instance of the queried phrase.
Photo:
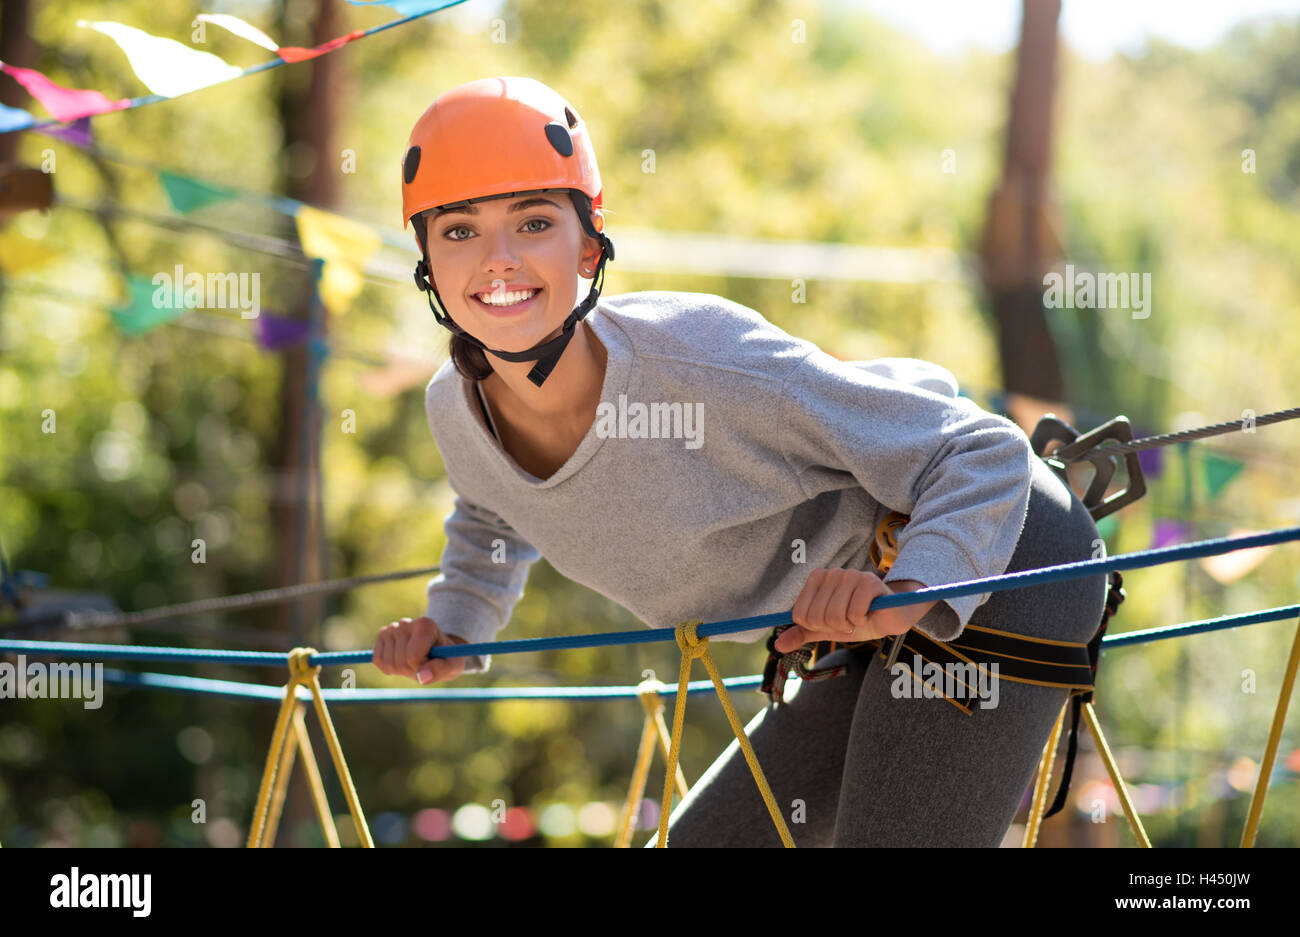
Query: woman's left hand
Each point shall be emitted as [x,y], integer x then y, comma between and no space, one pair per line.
[833,607]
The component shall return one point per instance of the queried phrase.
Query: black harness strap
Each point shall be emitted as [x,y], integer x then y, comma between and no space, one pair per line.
[1019,658]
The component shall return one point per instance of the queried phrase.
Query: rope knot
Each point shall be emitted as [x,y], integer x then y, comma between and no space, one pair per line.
[650,694]
[691,644]
[299,669]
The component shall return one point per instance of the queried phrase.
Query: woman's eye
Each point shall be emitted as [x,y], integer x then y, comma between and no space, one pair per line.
[542,221]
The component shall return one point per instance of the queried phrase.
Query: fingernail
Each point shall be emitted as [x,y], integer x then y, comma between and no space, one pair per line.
[424,677]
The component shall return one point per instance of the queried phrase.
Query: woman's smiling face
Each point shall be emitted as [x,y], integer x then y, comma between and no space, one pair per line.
[506,268]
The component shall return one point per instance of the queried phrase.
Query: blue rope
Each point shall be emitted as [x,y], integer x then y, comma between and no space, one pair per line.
[164,681]
[232,688]
[1076,570]
[140,652]
[1198,627]
[1140,559]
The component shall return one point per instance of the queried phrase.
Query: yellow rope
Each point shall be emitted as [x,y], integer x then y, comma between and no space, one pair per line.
[272,760]
[693,646]
[275,781]
[311,677]
[648,692]
[280,786]
[1112,768]
[1038,805]
[1270,750]
[661,728]
[319,800]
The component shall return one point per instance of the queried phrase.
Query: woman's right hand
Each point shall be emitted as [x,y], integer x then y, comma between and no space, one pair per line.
[402,648]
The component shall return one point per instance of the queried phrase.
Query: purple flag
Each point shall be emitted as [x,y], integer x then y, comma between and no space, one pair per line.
[1167,532]
[280,331]
[78,133]
[1152,462]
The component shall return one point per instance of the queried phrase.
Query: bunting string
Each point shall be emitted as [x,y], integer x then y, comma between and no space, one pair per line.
[171,69]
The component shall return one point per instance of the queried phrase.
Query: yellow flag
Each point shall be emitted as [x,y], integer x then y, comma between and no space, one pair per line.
[344,245]
[18,254]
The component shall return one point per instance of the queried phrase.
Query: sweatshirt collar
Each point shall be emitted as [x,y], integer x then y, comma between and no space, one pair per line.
[618,364]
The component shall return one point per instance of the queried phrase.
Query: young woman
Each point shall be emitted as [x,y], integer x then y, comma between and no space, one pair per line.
[683,456]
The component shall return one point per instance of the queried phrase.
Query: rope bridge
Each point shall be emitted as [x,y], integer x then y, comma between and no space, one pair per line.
[692,638]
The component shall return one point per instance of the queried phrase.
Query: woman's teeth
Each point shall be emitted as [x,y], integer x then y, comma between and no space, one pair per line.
[506,299]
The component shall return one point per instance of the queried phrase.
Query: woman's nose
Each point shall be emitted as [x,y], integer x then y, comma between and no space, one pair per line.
[500,253]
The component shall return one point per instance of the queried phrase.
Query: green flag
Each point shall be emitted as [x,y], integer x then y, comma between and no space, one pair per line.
[146,307]
[1219,470]
[187,195]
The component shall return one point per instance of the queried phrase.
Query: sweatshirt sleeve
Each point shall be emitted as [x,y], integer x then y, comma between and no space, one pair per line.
[899,429]
[485,564]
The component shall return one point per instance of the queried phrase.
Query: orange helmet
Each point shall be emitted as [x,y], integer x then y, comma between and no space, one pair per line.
[497,138]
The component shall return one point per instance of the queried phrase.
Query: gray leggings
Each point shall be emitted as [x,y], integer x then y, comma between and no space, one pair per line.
[872,770]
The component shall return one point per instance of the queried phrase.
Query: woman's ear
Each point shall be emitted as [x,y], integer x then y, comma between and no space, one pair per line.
[587,262]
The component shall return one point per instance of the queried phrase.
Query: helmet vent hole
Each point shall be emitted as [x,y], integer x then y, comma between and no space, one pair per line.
[559,138]
[572,118]
[411,164]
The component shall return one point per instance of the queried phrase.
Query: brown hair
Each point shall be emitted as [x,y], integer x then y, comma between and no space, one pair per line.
[470,360]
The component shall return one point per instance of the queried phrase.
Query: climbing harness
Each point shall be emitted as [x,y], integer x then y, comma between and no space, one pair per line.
[1019,658]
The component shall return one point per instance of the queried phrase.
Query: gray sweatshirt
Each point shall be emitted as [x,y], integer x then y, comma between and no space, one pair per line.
[728,459]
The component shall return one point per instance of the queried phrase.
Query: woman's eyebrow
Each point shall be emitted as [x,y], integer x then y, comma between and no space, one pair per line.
[516,207]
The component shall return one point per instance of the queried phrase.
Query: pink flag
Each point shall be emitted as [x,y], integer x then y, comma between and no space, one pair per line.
[64,104]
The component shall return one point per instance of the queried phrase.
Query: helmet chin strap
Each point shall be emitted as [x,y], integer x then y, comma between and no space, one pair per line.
[545,353]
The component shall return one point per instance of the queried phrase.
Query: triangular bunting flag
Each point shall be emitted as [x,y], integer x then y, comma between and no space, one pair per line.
[78,133]
[275,331]
[1168,531]
[187,195]
[18,254]
[1219,470]
[344,245]
[165,66]
[240,28]
[1151,460]
[64,104]
[298,54]
[146,307]
[11,118]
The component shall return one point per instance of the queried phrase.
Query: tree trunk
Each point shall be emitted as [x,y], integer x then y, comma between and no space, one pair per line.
[1020,239]
[307,102]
